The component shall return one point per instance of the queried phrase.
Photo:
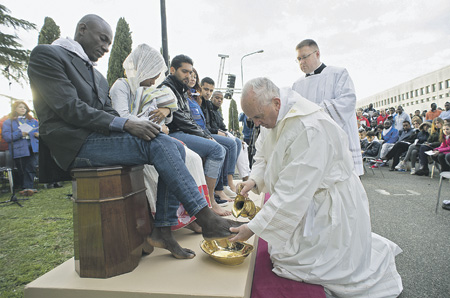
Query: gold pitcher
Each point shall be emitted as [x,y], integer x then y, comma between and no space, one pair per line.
[243,206]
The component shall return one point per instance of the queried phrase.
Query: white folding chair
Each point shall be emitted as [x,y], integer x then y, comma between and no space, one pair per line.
[443,175]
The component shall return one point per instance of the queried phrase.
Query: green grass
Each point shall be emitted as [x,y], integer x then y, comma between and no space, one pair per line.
[34,239]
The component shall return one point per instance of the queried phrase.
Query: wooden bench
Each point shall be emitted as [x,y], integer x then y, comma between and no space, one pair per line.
[111,220]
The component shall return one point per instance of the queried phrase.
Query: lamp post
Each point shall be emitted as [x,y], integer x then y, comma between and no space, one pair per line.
[242,70]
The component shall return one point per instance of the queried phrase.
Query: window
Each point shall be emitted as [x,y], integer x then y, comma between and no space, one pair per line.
[441,85]
[421,100]
[433,88]
[421,91]
[417,92]
[447,84]
[407,95]
[427,89]
[428,99]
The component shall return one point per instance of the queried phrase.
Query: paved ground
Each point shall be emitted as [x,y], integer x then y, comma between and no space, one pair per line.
[402,209]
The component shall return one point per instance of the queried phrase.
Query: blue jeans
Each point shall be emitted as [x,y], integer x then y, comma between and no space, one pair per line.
[233,148]
[163,152]
[211,151]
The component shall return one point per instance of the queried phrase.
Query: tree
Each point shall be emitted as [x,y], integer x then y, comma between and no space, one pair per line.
[13,58]
[120,50]
[49,31]
[233,118]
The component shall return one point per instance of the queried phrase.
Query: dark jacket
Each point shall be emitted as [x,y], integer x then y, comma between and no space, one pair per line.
[70,100]
[182,118]
[408,136]
[214,120]
[372,149]
[433,139]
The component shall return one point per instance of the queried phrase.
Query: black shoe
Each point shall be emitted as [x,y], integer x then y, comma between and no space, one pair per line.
[391,169]
[446,206]
[422,172]
[220,202]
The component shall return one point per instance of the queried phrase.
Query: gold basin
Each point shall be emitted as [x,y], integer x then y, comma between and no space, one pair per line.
[226,252]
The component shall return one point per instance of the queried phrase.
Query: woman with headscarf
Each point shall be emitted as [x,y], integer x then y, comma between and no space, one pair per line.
[21,132]
[135,97]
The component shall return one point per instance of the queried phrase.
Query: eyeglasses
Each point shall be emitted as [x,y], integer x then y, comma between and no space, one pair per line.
[299,59]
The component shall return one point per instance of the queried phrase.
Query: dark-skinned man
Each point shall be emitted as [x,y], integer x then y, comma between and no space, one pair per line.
[81,129]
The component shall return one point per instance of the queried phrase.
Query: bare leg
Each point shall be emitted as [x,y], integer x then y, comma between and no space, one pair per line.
[193,226]
[162,237]
[231,183]
[211,183]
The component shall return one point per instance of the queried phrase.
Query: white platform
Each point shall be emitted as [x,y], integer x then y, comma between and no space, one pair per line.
[157,275]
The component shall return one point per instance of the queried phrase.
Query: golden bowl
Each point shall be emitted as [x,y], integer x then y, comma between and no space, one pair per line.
[226,252]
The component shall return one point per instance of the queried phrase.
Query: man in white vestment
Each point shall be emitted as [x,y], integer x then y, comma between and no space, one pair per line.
[317,221]
[331,88]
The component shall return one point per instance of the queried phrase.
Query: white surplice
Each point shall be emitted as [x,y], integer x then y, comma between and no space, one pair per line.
[317,220]
[333,90]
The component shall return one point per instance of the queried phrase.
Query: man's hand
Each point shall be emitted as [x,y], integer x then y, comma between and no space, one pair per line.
[246,186]
[243,233]
[24,134]
[142,129]
[221,134]
[159,115]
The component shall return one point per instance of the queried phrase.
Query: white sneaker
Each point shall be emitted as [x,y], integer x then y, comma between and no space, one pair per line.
[413,171]
[399,166]
[227,190]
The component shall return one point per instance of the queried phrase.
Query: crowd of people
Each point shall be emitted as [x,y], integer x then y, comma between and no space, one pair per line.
[405,142]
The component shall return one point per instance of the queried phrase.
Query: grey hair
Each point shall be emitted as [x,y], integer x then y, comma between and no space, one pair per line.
[264,89]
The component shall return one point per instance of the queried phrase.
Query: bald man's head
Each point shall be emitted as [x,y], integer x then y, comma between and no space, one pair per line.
[95,36]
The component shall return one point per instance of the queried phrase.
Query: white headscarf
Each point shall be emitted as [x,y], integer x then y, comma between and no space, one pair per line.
[143,63]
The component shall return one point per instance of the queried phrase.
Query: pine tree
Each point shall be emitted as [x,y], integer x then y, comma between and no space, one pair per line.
[49,31]
[13,58]
[233,118]
[120,50]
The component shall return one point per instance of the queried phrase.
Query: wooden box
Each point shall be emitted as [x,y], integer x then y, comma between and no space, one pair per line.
[111,220]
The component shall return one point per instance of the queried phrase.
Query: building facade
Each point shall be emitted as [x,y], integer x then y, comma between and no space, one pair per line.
[417,94]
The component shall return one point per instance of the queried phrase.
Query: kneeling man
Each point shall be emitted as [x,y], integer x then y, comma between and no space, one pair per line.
[317,219]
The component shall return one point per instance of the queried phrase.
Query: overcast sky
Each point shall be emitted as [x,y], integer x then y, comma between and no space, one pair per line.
[381,43]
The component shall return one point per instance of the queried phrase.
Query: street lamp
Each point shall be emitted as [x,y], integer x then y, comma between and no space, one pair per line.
[242,70]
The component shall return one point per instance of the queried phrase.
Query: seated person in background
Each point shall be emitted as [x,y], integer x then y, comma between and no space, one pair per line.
[21,132]
[372,147]
[184,128]
[215,125]
[81,129]
[135,98]
[382,117]
[434,140]
[417,114]
[361,118]
[406,138]
[446,114]
[242,163]
[379,131]
[390,137]
[443,149]
[413,149]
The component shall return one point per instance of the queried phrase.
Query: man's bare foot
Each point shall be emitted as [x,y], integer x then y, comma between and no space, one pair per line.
[193,226]
[147,248]
[214,226]
[163,238]
[219,210]
[223,196]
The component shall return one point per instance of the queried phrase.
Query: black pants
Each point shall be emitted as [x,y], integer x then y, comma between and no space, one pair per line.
[444,161]
[396,152]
